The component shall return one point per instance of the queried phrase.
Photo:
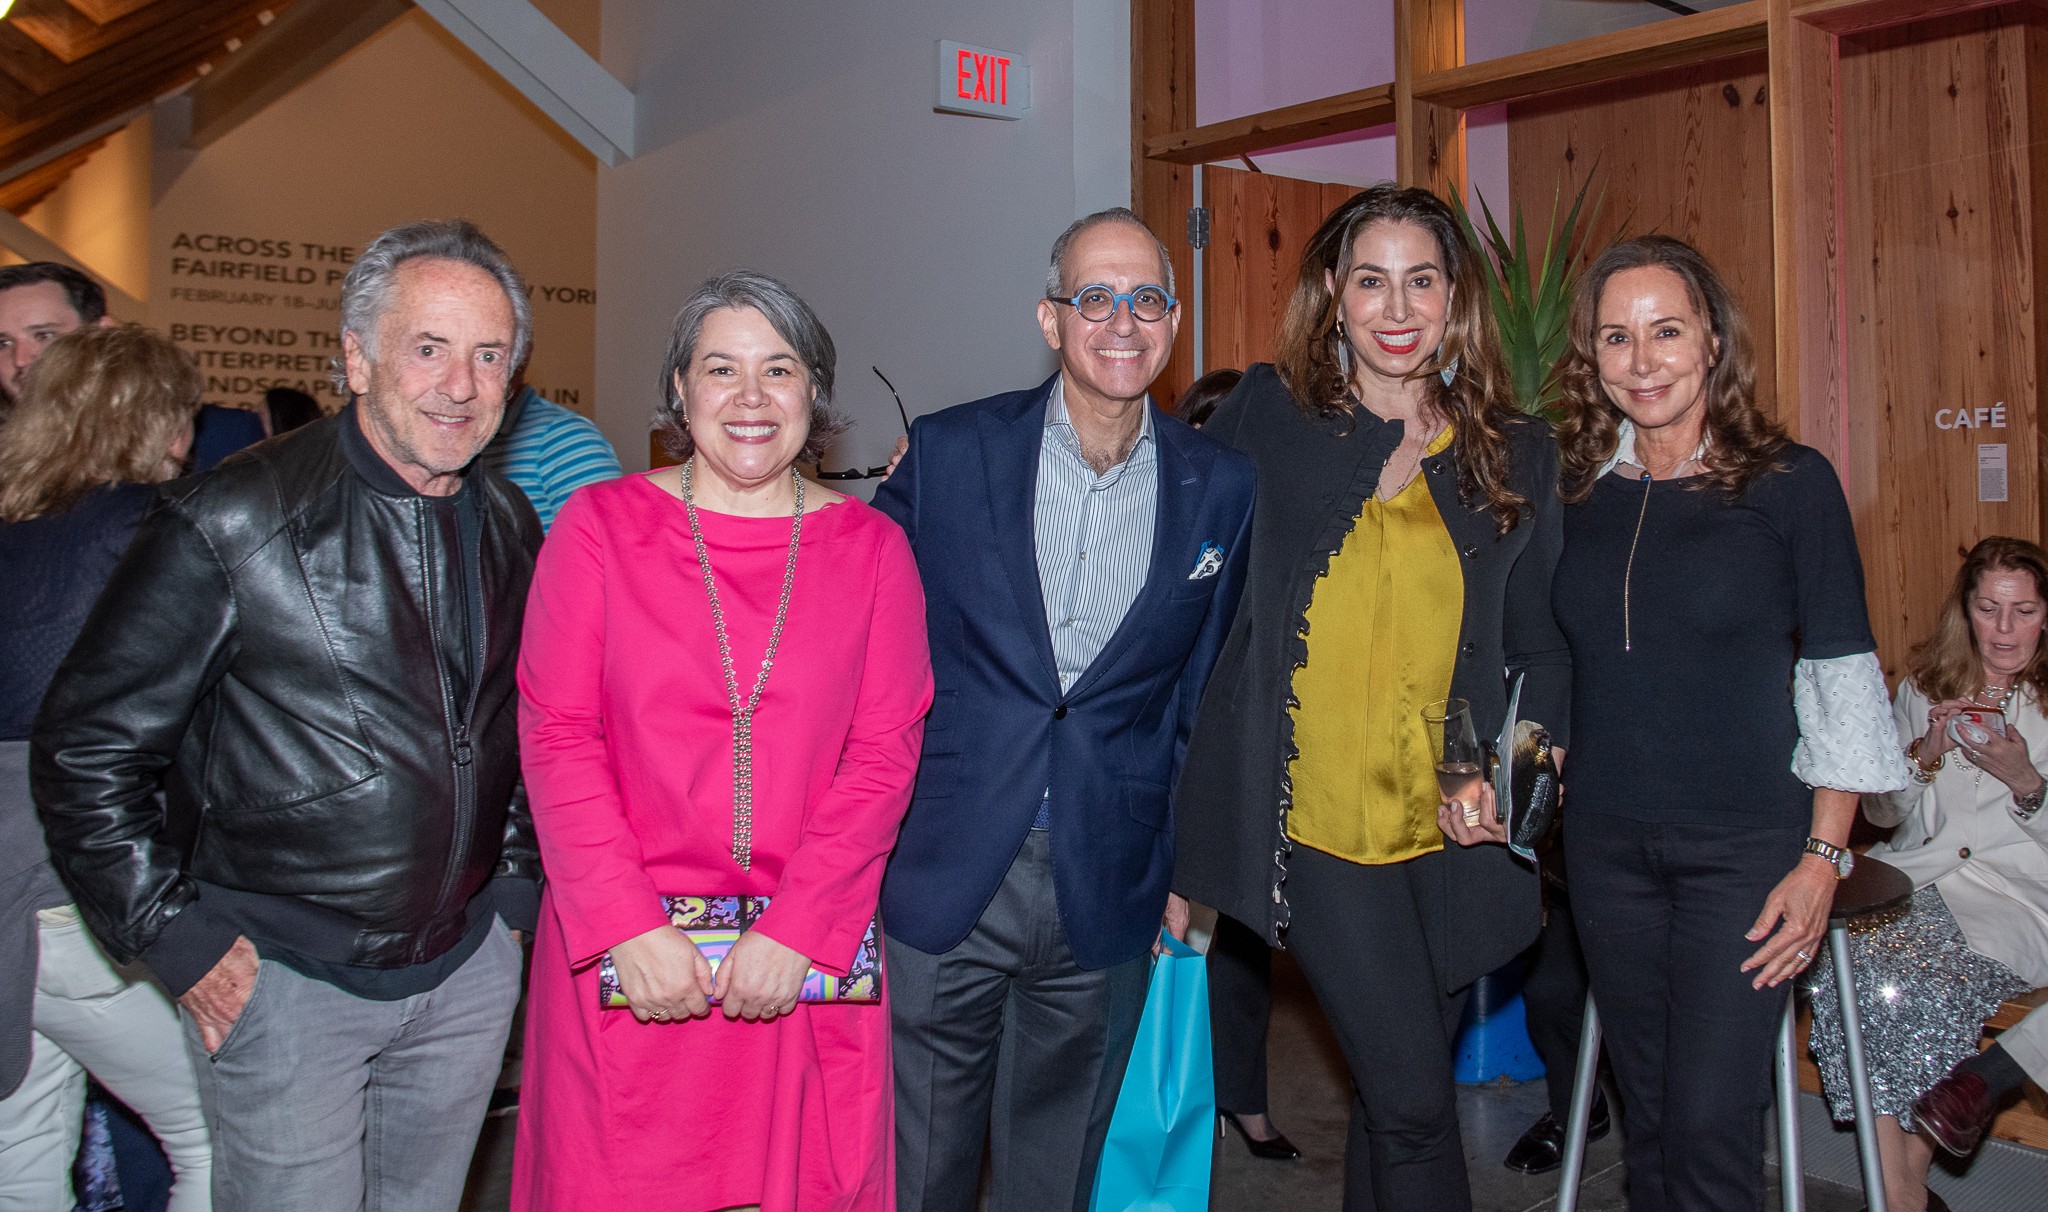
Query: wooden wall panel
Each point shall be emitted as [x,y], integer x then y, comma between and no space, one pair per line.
[1163,101]
[1259,224]
[1686,153]
[1940,254]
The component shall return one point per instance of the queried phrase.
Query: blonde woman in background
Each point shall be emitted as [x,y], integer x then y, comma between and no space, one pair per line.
[103,414]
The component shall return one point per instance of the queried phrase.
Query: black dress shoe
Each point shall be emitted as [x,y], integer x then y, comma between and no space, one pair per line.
[1541,1148]
[1274,1148]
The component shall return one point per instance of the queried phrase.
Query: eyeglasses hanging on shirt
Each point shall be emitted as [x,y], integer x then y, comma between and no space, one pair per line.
[872,473]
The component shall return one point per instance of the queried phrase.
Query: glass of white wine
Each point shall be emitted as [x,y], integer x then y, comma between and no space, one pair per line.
[1455,749]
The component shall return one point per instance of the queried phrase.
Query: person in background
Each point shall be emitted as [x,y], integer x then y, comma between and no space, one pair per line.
[1407,531]
[312,649]
[647,784]
[1240,962]
[1970,833]
[1727,709]
[222,430]
[39,302]
[287,408]
[105,413]
[1082,554]
[1199,401]
[549,451]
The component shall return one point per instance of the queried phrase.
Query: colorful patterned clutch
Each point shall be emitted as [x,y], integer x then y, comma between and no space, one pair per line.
[714,923]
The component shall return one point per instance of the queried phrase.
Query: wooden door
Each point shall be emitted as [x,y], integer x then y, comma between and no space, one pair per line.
[1258,225]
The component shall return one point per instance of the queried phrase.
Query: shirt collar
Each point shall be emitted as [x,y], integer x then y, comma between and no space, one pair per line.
[1056,414]
[1625,449]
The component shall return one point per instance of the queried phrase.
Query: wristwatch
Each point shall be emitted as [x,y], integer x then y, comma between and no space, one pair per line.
[1844,862]
[2025,806]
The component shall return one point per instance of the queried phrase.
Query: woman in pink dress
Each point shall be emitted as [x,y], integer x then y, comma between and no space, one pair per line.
[723,684]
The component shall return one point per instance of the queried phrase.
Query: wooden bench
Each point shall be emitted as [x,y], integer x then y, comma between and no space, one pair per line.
[2024,1122]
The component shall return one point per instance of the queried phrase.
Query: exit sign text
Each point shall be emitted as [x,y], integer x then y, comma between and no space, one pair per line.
[977,80]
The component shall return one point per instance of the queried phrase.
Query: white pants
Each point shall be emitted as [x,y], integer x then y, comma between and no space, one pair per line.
[123,1029]
[2027,1043]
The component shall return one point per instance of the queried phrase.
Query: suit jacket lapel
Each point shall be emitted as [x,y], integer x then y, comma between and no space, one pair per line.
[1180,495]
[1009,452]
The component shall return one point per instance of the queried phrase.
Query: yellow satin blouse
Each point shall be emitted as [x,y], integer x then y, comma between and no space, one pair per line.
[1382,643]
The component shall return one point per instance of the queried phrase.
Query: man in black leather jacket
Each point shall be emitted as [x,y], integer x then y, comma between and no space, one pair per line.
[311,651]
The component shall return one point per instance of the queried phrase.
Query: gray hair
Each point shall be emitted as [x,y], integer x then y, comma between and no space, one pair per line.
[792,319]
[366,291]
[1056,277]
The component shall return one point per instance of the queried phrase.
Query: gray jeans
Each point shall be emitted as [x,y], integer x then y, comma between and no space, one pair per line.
[321,1101]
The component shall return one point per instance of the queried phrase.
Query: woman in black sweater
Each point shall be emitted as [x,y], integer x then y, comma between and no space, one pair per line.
[1410,512]
[1727,706]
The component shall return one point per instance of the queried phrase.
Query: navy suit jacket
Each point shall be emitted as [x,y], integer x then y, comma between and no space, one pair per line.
[1000,731]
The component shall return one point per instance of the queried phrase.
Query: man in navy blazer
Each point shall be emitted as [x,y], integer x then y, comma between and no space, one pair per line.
[1082,554]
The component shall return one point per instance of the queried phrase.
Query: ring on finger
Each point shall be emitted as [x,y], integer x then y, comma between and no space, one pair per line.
[1471,813]
[1804,956]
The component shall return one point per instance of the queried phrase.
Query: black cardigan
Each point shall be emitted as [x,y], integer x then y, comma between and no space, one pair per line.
[1232,800]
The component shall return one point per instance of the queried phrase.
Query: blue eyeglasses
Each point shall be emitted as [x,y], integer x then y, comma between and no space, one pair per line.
[1098,303]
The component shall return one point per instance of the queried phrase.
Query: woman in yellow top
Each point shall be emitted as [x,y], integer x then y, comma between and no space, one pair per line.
[1404,538]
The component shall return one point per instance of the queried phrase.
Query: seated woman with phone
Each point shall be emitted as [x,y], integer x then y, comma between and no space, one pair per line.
[1971,834]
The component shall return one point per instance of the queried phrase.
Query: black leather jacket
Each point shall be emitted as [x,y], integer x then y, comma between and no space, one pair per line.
[267,652]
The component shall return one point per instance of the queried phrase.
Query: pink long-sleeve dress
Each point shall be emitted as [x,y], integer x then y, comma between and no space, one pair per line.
[626,739]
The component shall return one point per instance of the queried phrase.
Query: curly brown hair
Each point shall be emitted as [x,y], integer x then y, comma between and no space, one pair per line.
[1947,664]
[1480,397]
[1742,442]
[100,406]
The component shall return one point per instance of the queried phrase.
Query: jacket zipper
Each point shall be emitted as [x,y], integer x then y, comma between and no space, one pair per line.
[458,728]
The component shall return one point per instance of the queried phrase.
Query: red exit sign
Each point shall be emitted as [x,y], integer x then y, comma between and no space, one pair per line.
[977,80]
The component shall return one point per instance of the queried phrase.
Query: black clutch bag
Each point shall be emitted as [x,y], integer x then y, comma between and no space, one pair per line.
[1524,778]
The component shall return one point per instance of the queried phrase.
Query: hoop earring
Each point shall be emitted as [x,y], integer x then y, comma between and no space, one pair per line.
[1343,353]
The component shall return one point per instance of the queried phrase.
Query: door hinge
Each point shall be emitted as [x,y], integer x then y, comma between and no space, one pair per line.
[1198,226]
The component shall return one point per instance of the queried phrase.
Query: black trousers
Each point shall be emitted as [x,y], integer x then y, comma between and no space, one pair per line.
[1554,998]
[1662,911]
[1006,1041]
[1240,1011]
[1358,933]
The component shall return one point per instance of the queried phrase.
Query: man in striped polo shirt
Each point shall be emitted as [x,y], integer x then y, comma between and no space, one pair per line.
[548,451]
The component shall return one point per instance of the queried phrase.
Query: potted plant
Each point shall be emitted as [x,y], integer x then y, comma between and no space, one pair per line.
[1532,296]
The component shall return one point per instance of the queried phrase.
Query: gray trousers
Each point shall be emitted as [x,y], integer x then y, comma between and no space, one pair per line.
[1005,1040]
[321,1101]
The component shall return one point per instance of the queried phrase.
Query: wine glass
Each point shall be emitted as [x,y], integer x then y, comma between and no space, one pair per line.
[1455,749]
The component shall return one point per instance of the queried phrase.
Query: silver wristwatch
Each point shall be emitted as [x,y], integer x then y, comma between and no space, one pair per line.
[1844,861]
[2025,806]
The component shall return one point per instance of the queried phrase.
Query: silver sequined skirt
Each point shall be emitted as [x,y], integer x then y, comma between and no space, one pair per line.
[1922,996]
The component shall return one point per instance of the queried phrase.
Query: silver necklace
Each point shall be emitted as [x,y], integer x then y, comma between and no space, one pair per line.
[743,715]
[1628,574]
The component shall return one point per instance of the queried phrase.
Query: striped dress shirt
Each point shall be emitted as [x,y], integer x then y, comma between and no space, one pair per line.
[1094,536]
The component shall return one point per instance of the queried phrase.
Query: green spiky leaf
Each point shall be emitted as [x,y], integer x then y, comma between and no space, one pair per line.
[1532,296]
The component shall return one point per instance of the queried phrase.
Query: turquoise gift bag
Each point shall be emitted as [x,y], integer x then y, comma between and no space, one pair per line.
[1162,1134]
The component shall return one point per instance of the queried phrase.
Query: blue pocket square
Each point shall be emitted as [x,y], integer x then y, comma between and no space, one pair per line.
[1209,563]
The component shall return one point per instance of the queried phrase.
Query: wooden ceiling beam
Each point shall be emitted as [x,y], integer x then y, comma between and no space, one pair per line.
[21,194]
[289,51]
[105,12]
[149,33]
[1353,111]
[198,41]
[1680,42]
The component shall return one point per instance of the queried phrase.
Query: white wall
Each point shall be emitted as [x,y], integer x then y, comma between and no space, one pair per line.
[799,139]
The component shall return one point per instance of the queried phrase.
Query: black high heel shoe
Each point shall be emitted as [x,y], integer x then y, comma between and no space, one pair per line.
[1274,1148]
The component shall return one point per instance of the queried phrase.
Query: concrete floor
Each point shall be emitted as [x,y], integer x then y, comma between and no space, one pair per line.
[1310,1101]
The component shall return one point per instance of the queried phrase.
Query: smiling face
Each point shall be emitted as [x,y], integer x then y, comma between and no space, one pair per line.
[1655,350]
[31,317]
[747,397]
[1111,363]
[1394,302]
[433,390]
[2006,614]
